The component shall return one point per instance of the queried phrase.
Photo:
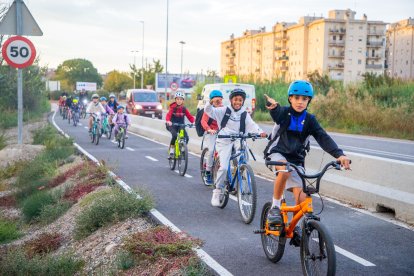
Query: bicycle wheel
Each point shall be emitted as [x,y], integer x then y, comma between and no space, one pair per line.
[183,159]
[172,161]
[246,193]
[69,117]
[108,132]
[273,246]
[203,164]
[123,139]
[97,135]
[317,250]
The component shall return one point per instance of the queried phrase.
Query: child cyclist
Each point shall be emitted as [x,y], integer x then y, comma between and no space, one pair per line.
[108,110]
[176,115]
[288,143]
[121,119]
[94,107]
[211,127]
[233,126]
[75,107]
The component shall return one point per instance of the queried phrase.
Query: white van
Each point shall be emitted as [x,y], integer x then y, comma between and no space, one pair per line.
[226,88]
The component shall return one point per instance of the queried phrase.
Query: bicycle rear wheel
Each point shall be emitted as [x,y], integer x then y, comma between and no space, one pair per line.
[183,159]
[246,193]
[97,135]
[69,117]
[108,132]
[171,162]
[203,164]
[317,250]
[273,246]
[123,139]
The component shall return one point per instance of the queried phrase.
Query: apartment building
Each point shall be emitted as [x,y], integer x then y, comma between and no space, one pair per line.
[400,49]
[340,45]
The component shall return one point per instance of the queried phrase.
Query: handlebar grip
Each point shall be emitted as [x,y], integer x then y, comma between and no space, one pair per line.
[275,163]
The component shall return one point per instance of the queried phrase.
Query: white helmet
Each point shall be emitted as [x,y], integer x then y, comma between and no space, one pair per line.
[179,94]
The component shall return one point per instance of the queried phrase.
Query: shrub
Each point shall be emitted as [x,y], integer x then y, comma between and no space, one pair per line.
[33,205]
[49,213]
[12,170]
[16,262]
[125,260]
[8,231]
[43,244]
[3,142]
[42,135]
[108,209]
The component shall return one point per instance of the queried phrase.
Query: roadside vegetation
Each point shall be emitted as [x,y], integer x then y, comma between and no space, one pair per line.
[62,215]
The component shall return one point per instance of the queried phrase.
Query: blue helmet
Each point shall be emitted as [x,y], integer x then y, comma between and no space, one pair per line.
[301,87]
[120,106]
[216,93]
[103,99]
[237,92]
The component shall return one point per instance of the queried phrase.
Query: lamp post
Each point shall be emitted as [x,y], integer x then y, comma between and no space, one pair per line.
[142,58]
[166,60]
[134,51]
[182,47]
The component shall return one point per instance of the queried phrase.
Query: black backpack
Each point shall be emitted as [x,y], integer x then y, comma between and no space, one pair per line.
[198,126]
[242,120]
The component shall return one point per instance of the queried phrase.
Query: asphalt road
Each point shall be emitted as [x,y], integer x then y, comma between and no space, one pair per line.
[366,245]
[396,149]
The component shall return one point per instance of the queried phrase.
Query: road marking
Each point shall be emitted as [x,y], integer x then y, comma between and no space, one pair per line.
[114,142]
[151,158]
[79,124]
[186,175]
[130,149]
[85,127]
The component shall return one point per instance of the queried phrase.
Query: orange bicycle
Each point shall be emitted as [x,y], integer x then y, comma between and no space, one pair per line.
[317,250]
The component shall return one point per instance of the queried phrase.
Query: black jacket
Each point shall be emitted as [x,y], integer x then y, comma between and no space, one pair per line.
[291,143]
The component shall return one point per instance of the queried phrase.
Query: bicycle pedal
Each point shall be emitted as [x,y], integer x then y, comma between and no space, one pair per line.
[260,231]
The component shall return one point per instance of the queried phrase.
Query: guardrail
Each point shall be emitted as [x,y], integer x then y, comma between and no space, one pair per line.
[373,183]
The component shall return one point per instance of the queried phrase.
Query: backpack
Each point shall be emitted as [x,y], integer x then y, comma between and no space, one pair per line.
[227,117]
[198,126]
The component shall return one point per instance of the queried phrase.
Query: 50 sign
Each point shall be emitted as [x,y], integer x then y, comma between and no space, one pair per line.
[19,52]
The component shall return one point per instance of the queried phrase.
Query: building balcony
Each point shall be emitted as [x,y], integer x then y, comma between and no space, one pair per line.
[283,58]
[375,57]
[278,48]
[374,66]
[338,66]
[285,37]
[336,43]
[341,55]
[374,44]
[379,33]
[284,68]
[337,31]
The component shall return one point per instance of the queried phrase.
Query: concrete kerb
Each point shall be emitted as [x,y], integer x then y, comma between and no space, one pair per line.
[374,182]
[154,214]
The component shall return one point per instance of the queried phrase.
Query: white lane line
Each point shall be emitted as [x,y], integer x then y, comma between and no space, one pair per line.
[151,158]
[80,124]
[85,127]
[113,142]
[130,149]
[186,175]
[200,252]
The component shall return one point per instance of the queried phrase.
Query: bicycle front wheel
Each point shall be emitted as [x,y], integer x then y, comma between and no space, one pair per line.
[97,135]
[123,139]
[273,246]
[203,164]
[246,193]
[183,159]
[317,250]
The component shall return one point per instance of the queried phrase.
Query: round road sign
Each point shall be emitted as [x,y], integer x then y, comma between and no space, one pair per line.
[174,86]
[18,52]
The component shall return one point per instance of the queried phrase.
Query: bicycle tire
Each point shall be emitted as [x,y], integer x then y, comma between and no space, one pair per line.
[123,140]
[225,197]
[316,248]
[247,199]
[69,117]
[203,164]
[273,246]
[171,162]
[183,159]
[109,132]
[214,169]
[98,135]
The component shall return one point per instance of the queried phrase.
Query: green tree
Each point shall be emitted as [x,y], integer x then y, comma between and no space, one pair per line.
[73,70]
[117,81]
[149,72]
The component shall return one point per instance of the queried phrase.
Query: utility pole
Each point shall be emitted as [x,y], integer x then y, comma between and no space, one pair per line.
[182,46]
[135,67]
[142,59]
[166,60]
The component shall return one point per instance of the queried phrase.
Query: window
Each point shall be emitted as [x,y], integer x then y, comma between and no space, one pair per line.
[334,37]
[341,37]
[359,61]
[360,27]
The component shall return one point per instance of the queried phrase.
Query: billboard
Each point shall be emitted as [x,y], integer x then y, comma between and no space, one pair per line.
[176,82]
[87,86]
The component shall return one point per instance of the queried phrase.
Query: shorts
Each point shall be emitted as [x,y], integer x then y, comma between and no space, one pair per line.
[294,181]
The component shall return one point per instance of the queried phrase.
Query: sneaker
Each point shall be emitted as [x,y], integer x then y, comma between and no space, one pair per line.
[90,130]
[215,199]
[126,136]
[208,178]
[297,236]
[274,217]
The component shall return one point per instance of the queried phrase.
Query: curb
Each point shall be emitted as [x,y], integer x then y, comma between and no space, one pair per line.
[154,214]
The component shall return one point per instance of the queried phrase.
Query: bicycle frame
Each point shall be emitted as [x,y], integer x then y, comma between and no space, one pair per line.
[242,160]
[180,137]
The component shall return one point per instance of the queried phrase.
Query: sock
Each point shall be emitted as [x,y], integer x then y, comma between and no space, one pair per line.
[276,202]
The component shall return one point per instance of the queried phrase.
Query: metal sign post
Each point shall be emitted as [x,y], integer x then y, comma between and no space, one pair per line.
[19,21]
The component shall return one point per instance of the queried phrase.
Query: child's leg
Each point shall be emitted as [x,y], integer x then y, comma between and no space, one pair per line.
[116,130]
[279,185]
[186,137]
[90,122]
[224,151]
[210,157]
[299,195]
[173,131]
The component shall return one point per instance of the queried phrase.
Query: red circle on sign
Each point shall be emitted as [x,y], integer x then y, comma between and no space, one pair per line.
[174,86]
[9,59]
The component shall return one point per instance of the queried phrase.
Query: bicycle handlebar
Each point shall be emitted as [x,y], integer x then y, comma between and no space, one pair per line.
[183,125]
[253,136]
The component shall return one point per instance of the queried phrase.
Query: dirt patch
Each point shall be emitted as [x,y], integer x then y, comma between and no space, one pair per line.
[13,153]
[11,134]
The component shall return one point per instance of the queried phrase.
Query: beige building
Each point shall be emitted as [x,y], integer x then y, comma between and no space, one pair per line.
[340,45]
[400,49]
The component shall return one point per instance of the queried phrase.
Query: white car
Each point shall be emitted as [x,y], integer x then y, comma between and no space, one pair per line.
[226,88]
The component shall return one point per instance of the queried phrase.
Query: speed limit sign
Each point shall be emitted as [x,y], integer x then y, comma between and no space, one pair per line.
[19,52]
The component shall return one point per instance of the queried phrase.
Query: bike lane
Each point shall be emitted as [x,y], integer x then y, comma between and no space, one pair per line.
[186,202]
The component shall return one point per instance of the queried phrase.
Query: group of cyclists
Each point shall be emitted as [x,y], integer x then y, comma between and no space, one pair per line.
[288,141]
[99,107]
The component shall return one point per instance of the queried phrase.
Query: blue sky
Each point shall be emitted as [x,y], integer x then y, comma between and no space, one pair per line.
[105,31]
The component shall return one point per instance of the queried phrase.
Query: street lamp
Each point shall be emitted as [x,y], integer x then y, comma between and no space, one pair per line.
[134,51]
[166,60]
[182,46]
[142,60]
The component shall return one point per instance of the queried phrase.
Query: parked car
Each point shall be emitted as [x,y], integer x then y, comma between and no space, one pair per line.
[143,102]
[226,88]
